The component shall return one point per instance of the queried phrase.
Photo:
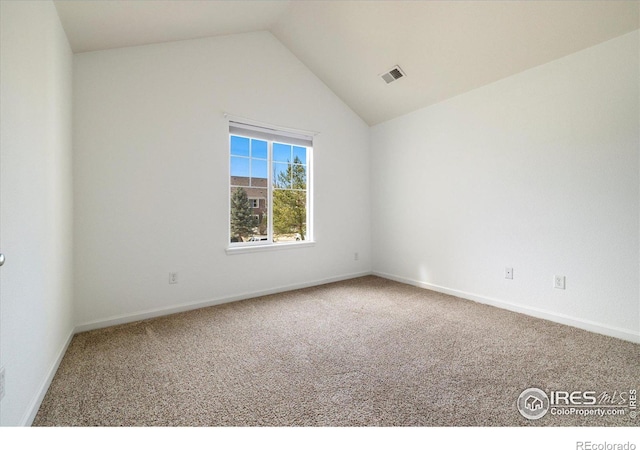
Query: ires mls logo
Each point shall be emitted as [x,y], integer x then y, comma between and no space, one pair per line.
[534,403]
[573,398]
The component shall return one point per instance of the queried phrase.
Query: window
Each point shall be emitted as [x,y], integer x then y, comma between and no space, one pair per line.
[269,186]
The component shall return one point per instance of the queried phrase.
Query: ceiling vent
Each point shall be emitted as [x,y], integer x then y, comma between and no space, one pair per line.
[394,74]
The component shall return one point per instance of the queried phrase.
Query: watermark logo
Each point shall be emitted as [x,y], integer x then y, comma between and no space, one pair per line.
[533,403]
[588,445]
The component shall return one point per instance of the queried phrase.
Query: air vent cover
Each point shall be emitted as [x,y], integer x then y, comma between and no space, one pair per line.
[392,75]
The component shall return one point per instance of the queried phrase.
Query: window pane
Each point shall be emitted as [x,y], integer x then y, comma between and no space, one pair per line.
[239,167]
[281,176]
[298,176]
[261,231]
[301,154]
[289,215]
[281,152]
[239,146]
[244,223]
[258,149]
[258,168]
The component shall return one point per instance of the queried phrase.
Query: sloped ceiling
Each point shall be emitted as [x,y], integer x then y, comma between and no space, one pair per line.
[445,47]
[99,25]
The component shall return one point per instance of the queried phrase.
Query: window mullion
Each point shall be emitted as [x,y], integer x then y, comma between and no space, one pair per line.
[270,191]
[308,191]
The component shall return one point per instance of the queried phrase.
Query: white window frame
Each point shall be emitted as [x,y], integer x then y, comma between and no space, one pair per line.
[272,134]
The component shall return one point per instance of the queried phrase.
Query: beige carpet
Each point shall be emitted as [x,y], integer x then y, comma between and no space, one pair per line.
[364,352]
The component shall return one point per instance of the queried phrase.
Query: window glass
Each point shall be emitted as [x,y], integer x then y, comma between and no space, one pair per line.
[269,191]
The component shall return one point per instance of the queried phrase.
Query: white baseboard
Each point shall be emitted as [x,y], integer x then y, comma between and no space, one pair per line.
[35,404]
[149,314]
[33,408]
[588,325]
[627,335]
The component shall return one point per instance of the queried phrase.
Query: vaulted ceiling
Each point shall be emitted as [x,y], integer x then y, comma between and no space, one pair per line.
[444,47]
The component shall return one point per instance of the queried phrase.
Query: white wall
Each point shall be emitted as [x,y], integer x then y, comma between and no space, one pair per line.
[151,175]
[36,203]
[538,172]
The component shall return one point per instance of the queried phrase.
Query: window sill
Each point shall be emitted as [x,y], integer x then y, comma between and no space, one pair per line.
[268,248]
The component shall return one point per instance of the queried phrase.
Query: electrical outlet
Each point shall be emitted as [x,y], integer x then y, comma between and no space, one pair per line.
[508,273]
[173,278]
[1,383]
[559,282]
[356,256]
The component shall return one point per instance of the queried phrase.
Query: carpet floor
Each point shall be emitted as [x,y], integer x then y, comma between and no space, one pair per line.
[363,352]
